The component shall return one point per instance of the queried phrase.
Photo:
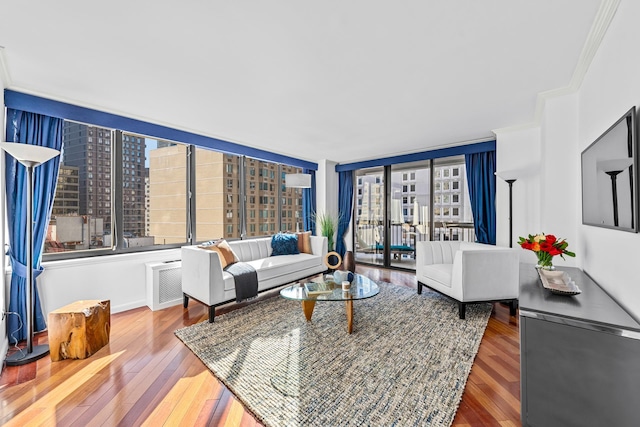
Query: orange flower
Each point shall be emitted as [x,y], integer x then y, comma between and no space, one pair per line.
[535,247]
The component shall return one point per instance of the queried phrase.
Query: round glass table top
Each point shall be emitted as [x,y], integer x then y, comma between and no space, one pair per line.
[325,289]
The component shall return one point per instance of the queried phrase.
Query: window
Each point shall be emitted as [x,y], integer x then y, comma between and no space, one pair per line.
[455,185]
[74,226]
[455,198]
[152,204]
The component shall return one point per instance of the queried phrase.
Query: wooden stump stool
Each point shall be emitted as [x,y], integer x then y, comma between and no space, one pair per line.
[79,329]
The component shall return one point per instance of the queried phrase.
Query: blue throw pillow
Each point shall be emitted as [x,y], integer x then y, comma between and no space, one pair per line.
[284,244]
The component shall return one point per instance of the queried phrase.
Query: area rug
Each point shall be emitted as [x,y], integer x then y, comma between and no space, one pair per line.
[405,364]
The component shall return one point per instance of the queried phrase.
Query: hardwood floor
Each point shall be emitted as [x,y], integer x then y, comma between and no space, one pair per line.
[146,376]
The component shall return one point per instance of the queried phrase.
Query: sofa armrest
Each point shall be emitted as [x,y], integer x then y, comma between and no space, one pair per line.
[202,275]
[319,245]
[486,274]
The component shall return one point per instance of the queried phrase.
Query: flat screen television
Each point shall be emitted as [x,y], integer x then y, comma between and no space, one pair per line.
[610,177]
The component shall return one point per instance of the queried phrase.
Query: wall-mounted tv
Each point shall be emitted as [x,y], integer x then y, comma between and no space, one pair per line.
[610,177]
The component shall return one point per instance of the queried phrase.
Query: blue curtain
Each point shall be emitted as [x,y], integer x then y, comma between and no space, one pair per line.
[481,168]
[309,203]
[35,129]
[345,203]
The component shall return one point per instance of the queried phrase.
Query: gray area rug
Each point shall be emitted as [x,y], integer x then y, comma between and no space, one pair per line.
[405,364]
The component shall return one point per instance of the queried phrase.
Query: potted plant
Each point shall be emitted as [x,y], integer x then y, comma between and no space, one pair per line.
[328,226]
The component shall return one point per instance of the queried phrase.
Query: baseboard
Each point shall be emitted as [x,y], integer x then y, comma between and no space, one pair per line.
[129,306]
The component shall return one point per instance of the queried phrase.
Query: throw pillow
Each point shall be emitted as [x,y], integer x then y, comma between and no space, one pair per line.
[284,244]
[227,256]
[304,242]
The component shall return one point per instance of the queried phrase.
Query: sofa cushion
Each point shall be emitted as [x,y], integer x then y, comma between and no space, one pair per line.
[284,244]
[304,242]
[439,272]
[272,267]
[227,256]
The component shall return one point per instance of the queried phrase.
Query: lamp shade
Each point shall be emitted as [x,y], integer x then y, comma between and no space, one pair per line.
[28,154]
[507,175]
[614,165]
[297,180]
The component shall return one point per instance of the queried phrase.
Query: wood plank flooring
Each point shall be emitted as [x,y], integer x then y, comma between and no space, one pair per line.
[146,377]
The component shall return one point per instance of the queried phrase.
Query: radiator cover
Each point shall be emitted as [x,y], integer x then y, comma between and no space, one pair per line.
[164,284]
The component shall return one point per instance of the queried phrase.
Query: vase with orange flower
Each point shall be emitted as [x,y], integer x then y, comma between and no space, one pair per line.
[545,246]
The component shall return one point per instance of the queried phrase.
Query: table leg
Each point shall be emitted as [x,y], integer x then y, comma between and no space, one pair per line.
[307,308]
[349,315]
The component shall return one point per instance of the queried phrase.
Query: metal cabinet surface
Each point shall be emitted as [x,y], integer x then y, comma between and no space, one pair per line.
[579,356]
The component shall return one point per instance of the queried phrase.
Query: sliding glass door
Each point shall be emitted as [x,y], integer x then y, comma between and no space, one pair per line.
[400,205]
[410,213]
[369,214]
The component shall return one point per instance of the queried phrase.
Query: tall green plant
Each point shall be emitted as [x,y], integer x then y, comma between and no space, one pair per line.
[328,227]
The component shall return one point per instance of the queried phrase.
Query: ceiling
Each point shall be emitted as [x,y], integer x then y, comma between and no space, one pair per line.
[338,80]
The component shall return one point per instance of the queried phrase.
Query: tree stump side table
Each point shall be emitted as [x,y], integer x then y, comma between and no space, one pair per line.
[78,330]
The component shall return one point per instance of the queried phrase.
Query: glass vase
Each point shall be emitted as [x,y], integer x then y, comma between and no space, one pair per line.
[545,261]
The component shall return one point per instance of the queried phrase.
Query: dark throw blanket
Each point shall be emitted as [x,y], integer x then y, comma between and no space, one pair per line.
[246,280]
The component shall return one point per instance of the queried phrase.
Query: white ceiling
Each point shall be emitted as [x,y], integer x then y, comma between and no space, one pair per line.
[337,80]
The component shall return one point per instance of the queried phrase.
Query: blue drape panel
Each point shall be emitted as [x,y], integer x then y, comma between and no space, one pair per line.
[481,168]
[345,204]
[35,129]
[309,203]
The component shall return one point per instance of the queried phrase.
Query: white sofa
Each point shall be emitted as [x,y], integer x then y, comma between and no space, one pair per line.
[204,280]
[469,272]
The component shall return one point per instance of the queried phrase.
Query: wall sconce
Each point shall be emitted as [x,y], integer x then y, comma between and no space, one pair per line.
[297,180]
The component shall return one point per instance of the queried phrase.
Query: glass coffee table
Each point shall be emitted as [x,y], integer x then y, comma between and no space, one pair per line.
[361,288]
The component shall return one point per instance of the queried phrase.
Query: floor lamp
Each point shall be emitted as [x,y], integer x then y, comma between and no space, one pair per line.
[613,168]
[509,178]
[30,156]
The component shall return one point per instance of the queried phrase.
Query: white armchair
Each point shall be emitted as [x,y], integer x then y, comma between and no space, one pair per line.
[469,272]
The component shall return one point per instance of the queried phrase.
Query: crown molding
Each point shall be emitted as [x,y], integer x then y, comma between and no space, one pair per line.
[599,28]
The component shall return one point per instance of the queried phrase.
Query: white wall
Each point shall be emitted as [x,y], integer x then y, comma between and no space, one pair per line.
[518,152]
[610,88]
[560,208]
[548,197]
[327,188]
[118,278]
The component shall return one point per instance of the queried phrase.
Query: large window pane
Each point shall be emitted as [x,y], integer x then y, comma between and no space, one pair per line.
[291,203]
[452,207]
[369,216]
[410,196]
[81,215]
[165,216]
[217,195]
[262,193]
[134,174]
